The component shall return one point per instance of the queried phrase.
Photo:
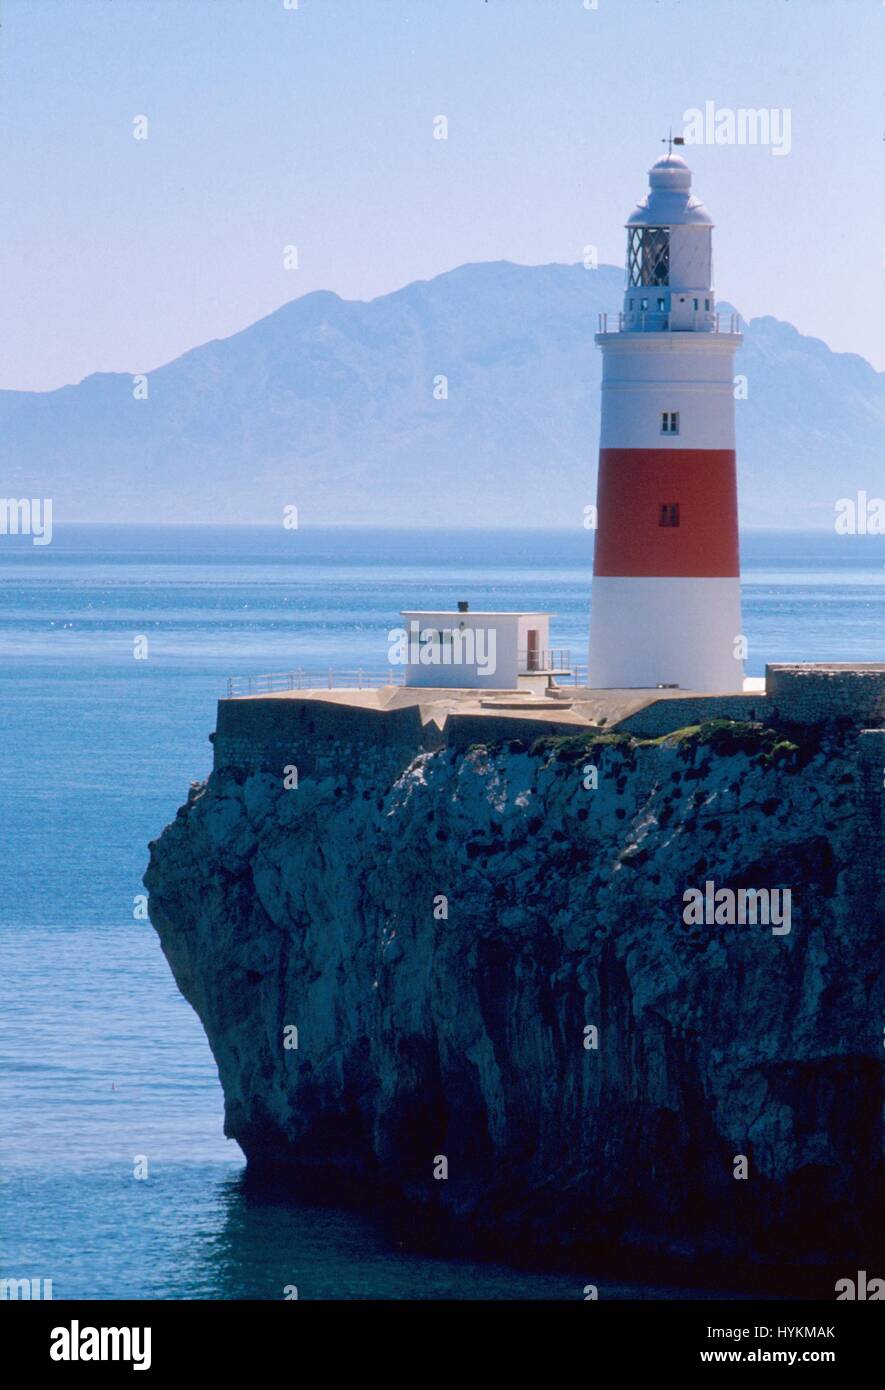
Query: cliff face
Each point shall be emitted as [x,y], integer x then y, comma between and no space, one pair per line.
[464,1036]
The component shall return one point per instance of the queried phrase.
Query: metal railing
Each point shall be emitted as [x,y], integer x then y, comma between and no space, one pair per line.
[649,321]
[558,662]
[303,679]
[543,662]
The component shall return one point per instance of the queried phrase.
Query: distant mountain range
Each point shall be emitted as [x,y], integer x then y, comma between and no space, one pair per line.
[331,405]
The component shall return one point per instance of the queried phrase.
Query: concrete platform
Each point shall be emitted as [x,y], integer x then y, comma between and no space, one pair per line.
[803,693]
[573,707]
[387,724]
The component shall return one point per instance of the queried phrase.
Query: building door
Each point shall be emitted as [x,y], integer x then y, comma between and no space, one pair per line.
[532,653]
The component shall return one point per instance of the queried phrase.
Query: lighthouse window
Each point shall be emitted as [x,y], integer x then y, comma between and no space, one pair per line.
[670,424]
[669,514]
[648,256]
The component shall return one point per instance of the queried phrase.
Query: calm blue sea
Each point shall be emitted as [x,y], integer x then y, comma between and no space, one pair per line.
[100,1060]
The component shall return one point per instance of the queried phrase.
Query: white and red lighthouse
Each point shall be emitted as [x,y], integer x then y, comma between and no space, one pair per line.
[666,572]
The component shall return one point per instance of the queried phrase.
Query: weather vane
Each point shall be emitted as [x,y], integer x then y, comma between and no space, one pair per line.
[671,140]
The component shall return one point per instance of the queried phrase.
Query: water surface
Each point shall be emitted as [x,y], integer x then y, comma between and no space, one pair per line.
[101,1061]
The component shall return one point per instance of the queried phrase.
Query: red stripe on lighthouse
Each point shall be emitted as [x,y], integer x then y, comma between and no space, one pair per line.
[635,485]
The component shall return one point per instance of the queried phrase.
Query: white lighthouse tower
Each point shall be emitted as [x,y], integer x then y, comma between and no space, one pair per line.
[666,572]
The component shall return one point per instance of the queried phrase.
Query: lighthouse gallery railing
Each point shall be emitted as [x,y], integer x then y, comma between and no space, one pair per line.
[665,323]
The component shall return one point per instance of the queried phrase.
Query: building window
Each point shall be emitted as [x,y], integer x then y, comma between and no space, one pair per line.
[670,422]
[643,304]
[436,637]
[697,304]
[707,305]
[648,256]
[669,515]
[662,304]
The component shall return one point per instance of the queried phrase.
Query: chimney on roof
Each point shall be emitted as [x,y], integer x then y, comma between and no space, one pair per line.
[463,605]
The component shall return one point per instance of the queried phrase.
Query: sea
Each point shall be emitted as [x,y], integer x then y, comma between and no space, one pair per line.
[115,644]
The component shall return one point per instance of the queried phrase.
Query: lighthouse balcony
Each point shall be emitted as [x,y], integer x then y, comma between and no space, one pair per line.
[647,321]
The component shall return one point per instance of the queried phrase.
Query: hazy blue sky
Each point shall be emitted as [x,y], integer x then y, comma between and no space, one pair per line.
[313,126]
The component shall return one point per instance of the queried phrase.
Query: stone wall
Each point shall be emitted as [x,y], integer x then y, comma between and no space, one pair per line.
[465,730]
[811,693]
[274,733]
[665,715]
[798,693]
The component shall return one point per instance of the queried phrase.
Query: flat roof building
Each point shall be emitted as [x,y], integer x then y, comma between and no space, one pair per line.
[465,649]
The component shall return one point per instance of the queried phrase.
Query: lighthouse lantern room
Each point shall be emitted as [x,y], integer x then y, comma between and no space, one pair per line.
[666,577]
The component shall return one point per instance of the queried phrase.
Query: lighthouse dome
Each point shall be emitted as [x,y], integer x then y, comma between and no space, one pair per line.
[669,201]
[671,172]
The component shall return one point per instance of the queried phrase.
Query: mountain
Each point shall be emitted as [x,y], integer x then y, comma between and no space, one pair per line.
[329,404]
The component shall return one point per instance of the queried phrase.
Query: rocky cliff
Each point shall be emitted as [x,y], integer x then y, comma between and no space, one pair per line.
[502,1012]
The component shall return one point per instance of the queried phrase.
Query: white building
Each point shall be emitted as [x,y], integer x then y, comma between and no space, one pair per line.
[473,650]
[666,574]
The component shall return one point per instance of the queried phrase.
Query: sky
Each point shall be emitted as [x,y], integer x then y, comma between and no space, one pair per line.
[272,124]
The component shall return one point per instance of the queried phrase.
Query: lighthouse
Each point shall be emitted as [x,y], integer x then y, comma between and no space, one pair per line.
[666,574]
